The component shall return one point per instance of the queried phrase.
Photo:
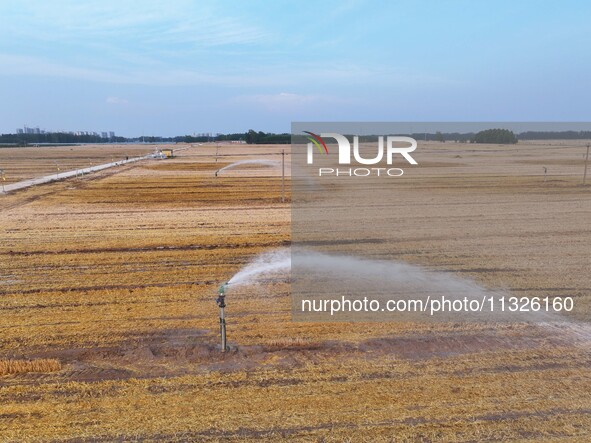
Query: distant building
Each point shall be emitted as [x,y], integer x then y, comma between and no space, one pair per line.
[37,130]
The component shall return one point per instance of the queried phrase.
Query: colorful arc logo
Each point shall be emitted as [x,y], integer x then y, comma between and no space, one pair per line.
[317,140]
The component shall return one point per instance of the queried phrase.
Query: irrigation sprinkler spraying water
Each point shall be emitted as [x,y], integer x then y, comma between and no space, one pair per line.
[257,162]
[222,304]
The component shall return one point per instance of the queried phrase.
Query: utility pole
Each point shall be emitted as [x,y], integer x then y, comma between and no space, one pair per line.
[283,176]
[586,162]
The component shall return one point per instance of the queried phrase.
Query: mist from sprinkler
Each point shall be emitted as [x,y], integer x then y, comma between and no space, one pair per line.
[383,278]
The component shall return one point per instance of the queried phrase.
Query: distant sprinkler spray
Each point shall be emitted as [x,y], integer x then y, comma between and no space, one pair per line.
[259,162]
[222,304]
[3,179]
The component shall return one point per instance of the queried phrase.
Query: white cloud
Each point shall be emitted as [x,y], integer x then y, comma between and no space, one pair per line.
[117,101]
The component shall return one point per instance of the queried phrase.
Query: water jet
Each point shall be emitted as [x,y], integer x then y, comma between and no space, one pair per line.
[270,163]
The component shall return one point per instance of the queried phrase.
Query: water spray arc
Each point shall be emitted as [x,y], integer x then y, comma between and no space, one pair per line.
[221,302]
[259,162]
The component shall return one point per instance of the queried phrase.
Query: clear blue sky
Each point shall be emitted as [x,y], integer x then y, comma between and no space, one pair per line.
[178,67]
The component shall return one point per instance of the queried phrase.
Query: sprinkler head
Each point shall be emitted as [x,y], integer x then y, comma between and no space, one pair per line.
[221,296]
[222,289]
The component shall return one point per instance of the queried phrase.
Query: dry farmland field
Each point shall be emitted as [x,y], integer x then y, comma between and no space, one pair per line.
[30,162]
[109,327]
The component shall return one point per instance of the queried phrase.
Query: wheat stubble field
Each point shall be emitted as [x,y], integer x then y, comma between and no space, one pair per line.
[30,162]
[109,328]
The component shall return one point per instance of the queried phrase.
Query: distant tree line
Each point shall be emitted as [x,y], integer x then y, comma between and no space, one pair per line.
[555,135]
[500,136]
[497,136]
[204,138]
[250,137]
[55,138]
[470,137]
[269,138]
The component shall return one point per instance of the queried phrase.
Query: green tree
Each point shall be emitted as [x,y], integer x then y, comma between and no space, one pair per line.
[251,136]
[496,136]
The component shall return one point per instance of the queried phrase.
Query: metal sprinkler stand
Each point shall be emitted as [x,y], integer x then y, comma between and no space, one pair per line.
[222,304]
